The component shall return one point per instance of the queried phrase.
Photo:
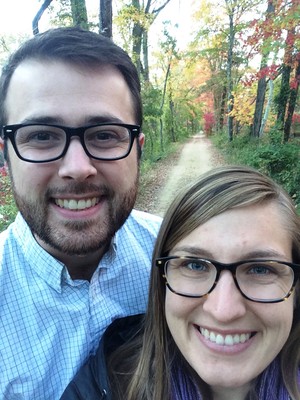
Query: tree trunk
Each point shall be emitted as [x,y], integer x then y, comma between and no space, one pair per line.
[229,75]
[292,103]
[140,34]
[105,18]
[285,80]
[162,106]
[267,110]
[262,83]
[259,105]
[79,13]
[223,107]
[284,94]
[145,57]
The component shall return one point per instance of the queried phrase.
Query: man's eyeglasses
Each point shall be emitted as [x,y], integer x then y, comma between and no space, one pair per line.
[262,281]
[38,143]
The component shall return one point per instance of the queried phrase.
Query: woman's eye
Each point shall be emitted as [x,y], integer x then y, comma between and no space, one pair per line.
[260,269]
[195,266]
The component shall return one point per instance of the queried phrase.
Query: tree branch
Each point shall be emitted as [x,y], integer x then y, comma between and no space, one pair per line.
[35,22]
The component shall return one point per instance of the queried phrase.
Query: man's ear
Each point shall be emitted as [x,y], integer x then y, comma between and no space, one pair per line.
[141,140]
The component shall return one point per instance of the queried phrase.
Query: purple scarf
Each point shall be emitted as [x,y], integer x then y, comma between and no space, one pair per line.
[269,385]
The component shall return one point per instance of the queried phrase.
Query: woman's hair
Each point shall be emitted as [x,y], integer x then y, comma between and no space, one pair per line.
[147,374]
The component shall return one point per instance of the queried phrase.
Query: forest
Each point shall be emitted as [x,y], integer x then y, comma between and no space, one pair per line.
[237,78]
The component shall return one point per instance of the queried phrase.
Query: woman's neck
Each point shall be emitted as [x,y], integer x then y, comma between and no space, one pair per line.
[221,393]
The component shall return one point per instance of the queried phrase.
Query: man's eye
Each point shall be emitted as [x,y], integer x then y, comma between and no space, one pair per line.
[39,137]
[107,135]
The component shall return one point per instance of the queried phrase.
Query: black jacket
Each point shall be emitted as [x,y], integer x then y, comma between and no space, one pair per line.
[91,382]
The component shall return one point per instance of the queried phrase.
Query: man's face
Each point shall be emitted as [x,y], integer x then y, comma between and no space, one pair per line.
[73,205]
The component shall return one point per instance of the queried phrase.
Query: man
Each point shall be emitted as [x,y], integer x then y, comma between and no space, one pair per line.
[77,256]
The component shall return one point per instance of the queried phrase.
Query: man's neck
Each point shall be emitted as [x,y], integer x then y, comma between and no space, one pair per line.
[82,267]
[78,266]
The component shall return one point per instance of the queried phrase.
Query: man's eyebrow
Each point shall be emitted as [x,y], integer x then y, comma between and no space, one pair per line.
[100,119]
[41,120]
[57,120]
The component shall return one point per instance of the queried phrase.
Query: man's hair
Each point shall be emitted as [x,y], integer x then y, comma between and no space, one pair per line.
[74,46]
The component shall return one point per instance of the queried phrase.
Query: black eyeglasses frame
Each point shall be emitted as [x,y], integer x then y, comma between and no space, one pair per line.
[9,132]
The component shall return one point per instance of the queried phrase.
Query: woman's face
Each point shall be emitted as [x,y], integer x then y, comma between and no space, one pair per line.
[258,330]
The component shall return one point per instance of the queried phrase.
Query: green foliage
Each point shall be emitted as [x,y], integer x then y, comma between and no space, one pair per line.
[8,209]
[280,161]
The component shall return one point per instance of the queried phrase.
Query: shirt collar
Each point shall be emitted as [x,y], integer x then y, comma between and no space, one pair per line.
[51,270]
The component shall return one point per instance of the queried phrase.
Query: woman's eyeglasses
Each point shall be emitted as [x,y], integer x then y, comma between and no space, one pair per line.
[262,281]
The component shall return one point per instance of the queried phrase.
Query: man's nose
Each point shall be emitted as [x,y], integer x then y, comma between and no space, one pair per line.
[76,164]
[225,303]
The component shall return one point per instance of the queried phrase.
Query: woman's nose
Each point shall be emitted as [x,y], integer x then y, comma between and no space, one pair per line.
[225,302]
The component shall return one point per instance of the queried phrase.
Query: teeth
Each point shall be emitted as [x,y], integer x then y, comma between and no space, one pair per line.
[73,204]
[227,340]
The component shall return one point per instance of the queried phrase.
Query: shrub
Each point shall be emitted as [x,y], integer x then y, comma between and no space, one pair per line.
[8,209]
[269,155]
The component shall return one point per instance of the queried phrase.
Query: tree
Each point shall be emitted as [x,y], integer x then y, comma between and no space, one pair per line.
[140,15]
[209,49]
[262,82]
[230,10]
[65,13]
[292,101]
[236,10]
[105,20]
[35,22]
[79,13]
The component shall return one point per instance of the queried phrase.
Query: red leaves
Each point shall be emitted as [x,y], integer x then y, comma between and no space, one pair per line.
[268,72]
[296,118]
[209,122]
[3,171]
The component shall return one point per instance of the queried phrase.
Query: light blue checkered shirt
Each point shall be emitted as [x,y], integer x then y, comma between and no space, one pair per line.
[50,324]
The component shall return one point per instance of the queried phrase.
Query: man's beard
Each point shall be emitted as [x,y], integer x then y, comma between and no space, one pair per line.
[77,237]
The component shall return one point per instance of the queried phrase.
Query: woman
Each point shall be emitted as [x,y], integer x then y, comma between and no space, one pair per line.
[223,312]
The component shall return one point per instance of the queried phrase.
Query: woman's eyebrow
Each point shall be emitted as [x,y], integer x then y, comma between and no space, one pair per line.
[265,253]
[193,251]
[255,254]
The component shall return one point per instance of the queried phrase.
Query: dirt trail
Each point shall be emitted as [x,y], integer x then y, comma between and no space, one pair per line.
[160,186]
[195,159]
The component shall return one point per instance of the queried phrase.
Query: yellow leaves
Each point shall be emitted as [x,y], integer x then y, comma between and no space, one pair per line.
[130,14]
[244,105]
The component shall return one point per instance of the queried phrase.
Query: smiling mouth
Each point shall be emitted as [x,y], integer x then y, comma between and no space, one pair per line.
[225,340]
[73,204]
